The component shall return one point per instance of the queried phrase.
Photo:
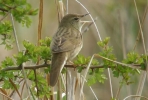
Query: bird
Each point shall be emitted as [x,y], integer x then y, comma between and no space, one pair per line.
[66,44]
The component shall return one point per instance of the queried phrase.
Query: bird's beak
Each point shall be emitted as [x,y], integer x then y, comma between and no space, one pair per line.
[83,22]
[85,15]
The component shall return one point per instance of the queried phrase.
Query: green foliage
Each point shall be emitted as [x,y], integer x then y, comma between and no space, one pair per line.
[118,69]
[106,52]
[43,88]
[7,62]
[96,75]
[31,53]
[82,61]
[21,11]
[5,31]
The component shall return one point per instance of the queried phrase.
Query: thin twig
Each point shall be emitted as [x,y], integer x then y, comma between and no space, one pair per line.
[57,10]
[87,69]
[22,88]
[22,68]
[15,87]
[36,82]
[40,21]
[25,79]
[143,19]
[143,77]
[135,97]
[11,94]
[4,10]
[122,35]
[4,16]
[67,6]
[100,40]
[87,27]
[92,90]
[91,19]
[6,96]
[14,32]
[119,89]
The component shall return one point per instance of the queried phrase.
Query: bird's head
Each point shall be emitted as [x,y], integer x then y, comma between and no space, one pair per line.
[74,20]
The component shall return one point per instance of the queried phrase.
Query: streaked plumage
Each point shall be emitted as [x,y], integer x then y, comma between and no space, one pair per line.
[66,44]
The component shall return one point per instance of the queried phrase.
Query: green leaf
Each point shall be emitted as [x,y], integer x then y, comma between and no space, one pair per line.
[21,58]
[7,62]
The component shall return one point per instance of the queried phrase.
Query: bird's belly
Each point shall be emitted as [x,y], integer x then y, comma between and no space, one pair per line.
[75,52]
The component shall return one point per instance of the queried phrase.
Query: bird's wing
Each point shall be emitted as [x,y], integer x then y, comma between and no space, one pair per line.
[64,41]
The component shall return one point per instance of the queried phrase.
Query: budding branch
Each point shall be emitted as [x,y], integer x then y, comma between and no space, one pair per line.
[34,67]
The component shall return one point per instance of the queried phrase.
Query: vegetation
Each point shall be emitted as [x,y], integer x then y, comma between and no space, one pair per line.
[16,73]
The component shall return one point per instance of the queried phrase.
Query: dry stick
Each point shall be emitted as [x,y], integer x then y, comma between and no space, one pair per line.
[111,90]
[66,6]
[16,39]
[5,16]
[36,82]
[68,85]
[22,88]
[73,89]
[85,73]
[15,87]
[59,90]
[6,96]
[39,37]
[14,90]
[123,47]
[60,16]
[118,91]
[3,91]
[122,34]
[91,18]
[57,10]
[40,21]
[91,90]
[135,96]
[143,19]
[143,77]
[14,32]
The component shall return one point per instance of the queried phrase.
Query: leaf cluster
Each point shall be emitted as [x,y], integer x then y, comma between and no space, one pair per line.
[21,11]
[31,54]
[120,70]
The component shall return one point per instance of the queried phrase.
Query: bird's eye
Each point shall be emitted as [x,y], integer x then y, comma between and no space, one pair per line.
[76,18]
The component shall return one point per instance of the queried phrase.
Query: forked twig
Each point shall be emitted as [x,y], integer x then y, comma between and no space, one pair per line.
[143,19]
[4,16]
[87,69]
[91,19]
[14,32]
[15,87]
[110,83]
[6,96]
[143,77]
[92,90]
[16,39]
[135,97]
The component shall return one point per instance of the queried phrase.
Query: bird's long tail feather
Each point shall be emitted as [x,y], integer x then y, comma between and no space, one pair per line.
[57,64]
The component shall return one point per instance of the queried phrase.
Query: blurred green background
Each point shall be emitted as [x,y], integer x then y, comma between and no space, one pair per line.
[116,19]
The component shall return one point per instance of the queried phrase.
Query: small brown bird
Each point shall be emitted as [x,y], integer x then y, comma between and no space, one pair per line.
[66,44]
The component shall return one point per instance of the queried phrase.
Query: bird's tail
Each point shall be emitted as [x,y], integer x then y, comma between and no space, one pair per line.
[57,64]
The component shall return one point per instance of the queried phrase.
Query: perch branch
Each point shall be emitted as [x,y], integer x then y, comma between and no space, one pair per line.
[33,67]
